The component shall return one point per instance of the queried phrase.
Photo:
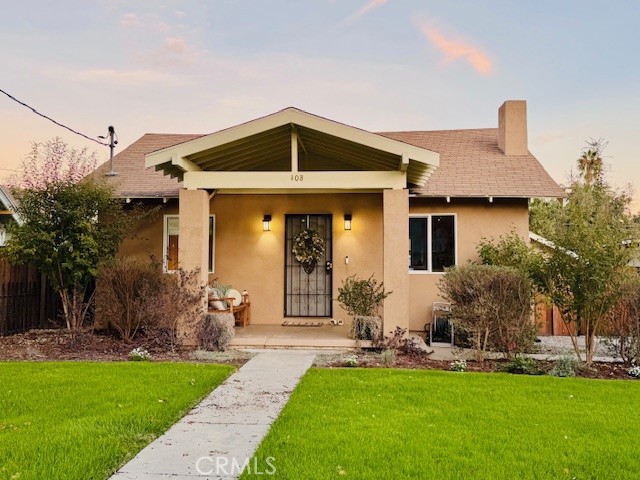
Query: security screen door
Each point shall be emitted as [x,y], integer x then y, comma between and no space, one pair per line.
[308,294]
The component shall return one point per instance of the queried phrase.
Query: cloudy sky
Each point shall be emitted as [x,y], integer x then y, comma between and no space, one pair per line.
[199,66]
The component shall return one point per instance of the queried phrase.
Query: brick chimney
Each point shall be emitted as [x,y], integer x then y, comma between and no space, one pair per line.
[512,127]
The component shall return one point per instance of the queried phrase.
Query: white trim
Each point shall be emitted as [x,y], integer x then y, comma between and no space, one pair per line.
[165,220]
[297,117]
[429,270]
[289,180]
[213,244]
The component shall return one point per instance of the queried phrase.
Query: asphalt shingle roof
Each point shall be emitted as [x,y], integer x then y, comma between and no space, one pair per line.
[133,180]
[471,165]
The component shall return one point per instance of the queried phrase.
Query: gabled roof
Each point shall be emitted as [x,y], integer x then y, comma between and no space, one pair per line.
[472,165]
[316,143]
[8,204]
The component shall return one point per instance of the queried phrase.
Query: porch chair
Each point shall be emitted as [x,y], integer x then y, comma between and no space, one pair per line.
[241,313]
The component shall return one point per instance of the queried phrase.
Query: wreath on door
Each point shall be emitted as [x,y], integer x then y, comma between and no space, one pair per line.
[308,248]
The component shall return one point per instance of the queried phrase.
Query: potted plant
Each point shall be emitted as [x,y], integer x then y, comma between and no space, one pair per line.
[362,299]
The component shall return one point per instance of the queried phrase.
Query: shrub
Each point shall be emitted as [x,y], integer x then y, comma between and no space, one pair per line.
[125,292]
[366,328]
[565,366]
[139,355]
[623,322]
[351,361]
[388,357]
[361,297]
[493,305]
[458,365]
[522,365]
[134,296]
[216,331]
[400,342]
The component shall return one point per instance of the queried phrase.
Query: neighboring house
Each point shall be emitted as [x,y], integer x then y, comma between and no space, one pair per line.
[402,206]
[7,212]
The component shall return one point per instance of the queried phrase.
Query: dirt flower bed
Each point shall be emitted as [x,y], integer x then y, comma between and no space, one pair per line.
[364,359]
[51,345]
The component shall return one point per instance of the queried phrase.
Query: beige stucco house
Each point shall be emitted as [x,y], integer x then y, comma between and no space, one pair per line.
[402,206]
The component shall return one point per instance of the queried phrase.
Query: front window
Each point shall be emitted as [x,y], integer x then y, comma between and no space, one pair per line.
[432,242]
[171,240]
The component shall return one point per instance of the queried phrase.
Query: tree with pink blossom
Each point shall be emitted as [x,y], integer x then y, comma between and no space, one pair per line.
[70,222]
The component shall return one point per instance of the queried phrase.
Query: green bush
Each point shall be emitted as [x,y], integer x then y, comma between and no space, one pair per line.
[565,366]
[522,365]
[361,297]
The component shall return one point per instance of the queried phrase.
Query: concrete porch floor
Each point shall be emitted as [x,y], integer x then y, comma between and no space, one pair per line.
[278,336]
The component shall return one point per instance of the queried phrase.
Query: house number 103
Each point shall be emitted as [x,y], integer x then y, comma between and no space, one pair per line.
[297,178]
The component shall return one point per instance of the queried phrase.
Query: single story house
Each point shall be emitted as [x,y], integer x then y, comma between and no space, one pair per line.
[401,206]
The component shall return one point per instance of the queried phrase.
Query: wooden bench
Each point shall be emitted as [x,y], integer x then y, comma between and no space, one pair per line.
[241,313]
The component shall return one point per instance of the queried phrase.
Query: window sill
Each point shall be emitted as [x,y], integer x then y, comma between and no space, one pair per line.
[424,272]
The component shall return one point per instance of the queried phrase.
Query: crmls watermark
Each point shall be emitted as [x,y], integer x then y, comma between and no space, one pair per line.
[223,466]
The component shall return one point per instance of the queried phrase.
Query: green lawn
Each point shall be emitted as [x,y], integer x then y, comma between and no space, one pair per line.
[378,424]
[83,420]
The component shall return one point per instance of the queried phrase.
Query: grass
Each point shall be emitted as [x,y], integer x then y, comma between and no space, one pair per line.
[376,423]
[83,420]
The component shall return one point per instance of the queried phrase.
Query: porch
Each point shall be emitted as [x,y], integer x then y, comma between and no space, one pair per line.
[278,336]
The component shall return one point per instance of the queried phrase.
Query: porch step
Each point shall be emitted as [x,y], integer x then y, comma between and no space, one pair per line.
[297,343]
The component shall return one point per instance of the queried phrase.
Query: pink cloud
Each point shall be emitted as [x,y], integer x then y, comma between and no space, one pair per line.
[130,20]
[372,5]
[456,49]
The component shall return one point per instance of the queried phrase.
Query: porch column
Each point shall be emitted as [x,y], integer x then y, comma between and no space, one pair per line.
[395,205]
[193,244]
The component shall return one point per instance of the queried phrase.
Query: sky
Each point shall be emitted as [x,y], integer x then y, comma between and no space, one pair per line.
[171,66]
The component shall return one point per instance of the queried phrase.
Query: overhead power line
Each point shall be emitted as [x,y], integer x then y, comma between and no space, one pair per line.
[52,120]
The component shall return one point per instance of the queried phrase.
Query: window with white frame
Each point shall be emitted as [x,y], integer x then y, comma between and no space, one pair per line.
[432,242]
[171,240]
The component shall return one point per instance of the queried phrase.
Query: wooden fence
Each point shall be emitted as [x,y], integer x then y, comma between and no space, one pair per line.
[27,300]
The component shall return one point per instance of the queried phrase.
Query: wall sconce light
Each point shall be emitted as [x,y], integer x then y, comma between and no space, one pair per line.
[347,221]
[266,223]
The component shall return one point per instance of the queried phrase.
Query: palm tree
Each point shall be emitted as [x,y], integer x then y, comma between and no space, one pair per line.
[590,162]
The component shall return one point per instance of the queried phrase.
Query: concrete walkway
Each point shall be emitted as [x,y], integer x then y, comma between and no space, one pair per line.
[220,435]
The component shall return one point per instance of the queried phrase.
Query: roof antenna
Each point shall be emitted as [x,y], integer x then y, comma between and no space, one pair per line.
[113,141]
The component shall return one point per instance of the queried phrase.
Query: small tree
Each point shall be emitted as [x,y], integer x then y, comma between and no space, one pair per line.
[70,223]
[584,271]
[362,299]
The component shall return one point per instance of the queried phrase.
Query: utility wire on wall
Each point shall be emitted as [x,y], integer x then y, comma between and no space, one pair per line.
[52,120]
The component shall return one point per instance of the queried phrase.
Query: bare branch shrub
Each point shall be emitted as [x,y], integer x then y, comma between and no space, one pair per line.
[400,342]
[136,296]
[493,305]
[623,322]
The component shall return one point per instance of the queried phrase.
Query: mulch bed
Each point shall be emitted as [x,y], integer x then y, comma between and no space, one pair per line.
[52,345]
[59,344]
[366,360]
